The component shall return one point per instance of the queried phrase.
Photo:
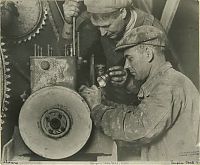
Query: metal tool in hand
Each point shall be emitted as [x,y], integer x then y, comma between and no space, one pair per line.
[103,76]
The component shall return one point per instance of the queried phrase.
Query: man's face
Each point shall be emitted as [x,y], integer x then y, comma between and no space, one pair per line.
[110,24]
[137,62]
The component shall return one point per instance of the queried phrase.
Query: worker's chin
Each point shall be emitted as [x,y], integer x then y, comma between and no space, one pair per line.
[135,77]
[133,74]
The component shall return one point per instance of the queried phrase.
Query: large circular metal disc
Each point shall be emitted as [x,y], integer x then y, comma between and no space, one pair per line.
[34,126]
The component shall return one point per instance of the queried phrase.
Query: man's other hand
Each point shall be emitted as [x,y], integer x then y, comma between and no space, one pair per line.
[71,9]
[118,75]
[92,95]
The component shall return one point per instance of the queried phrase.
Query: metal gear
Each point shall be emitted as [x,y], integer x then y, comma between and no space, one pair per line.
[28,23]
[5,82]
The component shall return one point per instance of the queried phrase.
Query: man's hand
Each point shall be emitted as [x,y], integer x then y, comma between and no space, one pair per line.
[71,9]
[92,95]
[118,75]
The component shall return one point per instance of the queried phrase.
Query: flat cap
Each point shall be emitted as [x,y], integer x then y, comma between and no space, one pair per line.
[106,6]
[148,35]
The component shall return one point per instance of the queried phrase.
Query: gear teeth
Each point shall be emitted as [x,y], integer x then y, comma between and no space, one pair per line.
[43,22]
[8,82]
[8,89]
[37,32]
[3,115]
[40,26]
[6,102]
[2,43]
[2,122]
[7,69]
[7,76]
[5,109]
[29,38]
[7,63]
[3,50]
[7,96]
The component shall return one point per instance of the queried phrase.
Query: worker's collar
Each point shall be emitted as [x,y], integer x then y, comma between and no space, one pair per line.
[147,86]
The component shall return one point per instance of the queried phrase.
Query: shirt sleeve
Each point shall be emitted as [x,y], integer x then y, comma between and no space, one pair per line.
[150,119]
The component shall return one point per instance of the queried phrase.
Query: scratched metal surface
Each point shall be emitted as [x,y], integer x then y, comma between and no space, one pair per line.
[61,71]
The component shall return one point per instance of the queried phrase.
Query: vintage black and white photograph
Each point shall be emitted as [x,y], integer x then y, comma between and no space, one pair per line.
[99,81]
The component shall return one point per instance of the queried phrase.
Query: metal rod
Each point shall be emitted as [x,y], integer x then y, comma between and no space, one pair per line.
[38,50]
[74,36]
[35,50]
[71,50]
[48,47]
[65,50]
[92,70]
[41,52]
[51,51]
[63,19]
[78,44]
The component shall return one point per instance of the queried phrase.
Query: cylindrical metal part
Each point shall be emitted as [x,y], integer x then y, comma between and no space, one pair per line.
[92,70]
[38,50]
[48,50]
[56,123]
[41,51]
[51,51]
[70,49]
[78,44]
[74,36]
[65,50]
[35,50]
[102,80]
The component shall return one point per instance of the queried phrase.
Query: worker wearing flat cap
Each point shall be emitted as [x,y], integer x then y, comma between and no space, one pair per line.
[114,18]
[166,121]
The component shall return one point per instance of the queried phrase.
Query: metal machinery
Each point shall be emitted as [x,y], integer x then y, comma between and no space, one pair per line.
[53,118]
[54,121]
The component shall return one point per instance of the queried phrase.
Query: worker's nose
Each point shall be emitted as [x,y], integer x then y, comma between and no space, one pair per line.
[103,31]
[126,65]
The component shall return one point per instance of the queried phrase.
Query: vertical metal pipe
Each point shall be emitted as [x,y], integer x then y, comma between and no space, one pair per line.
[38,50]
[35,50]
[51,51]
[65,50]
[92,70]
[71,50]
[78,44]
[74,36]
[48,49]
[41,51]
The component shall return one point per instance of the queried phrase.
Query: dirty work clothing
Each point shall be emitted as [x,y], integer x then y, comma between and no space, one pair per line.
[117,94]
[165,123]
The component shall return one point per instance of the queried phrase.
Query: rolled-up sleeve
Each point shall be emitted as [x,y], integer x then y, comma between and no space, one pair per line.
[155,114]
